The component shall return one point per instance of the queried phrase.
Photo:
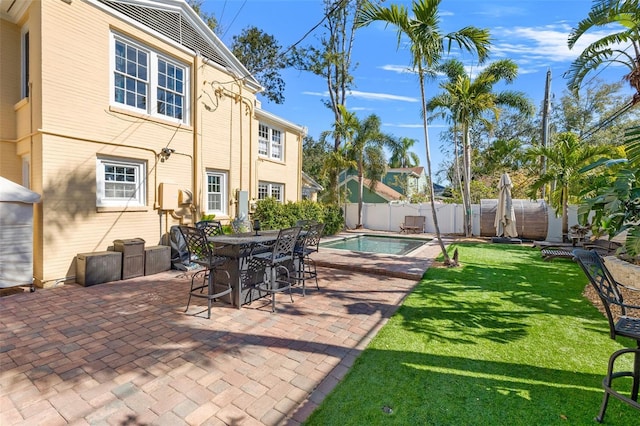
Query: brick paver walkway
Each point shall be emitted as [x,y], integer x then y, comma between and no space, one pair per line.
[125,352]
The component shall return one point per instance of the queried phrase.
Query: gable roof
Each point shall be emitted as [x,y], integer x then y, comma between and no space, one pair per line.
[418,170]
[309,182]
[404,170]
[380,188]
[176,20]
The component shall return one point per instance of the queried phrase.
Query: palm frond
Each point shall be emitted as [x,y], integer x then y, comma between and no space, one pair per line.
[632,145]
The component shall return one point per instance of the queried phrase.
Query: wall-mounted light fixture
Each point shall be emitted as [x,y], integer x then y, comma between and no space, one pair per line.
[166,153]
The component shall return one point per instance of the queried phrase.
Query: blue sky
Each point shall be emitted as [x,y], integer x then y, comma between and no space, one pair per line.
[532,33]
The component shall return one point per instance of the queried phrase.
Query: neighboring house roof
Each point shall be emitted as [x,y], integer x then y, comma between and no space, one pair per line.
[419,170]
[380,188]
[309,182]
[404,170]
[176,21]
[438,189]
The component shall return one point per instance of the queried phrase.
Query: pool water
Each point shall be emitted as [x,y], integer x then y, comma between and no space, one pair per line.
[376,244]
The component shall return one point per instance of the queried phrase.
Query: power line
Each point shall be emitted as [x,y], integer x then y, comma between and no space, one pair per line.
[607,121]
[234,18]
[283,53]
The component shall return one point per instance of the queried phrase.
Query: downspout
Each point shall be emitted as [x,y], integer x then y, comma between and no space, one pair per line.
[196,175]
[238,97]
[300,141]
[31,134]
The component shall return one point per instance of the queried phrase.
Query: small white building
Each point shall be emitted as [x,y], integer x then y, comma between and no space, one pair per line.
[16,234]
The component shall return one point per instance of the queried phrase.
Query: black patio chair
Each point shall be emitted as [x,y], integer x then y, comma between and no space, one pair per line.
[310,244]
[277,262]
[203,254]
[620,324]
[210,227]
[305,223]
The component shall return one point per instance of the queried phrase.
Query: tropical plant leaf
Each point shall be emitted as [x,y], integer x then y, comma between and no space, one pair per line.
[632,244]
[632,145]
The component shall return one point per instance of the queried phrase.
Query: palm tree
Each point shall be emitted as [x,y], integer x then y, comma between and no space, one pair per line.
[565,158]
[344,129]
[363,149]
[609,49]
[427,46]
[334,162]
[468,102]
[401,156]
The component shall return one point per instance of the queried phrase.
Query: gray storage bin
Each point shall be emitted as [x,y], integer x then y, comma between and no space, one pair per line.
[98,267]
[157,259]
[132,257]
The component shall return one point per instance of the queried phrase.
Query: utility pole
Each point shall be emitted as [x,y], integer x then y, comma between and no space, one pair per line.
[545,126]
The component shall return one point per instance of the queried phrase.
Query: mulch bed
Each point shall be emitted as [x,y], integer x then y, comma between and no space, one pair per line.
[629,296]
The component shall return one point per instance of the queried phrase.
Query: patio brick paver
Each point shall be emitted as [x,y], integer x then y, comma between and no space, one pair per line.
[126,353]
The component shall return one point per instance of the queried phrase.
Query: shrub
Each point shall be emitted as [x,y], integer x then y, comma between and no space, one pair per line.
[275,215]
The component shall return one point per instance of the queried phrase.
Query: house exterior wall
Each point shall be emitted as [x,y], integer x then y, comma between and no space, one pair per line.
[276,171]
[69,122]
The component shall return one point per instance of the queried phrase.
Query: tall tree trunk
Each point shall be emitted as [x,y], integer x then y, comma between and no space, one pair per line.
[565,212]
[456,159]
[466,196]
[445,255]
[360,194]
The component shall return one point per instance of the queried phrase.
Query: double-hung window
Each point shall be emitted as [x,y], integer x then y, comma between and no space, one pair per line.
[120,183]
[270,189]
[216,193]
[270,142]
[24,63]
[146,81]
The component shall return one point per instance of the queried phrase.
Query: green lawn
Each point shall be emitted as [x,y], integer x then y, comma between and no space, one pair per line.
[505,339]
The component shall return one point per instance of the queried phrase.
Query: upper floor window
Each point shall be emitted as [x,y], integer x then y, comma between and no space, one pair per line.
[131,76]
[270,189]
[145,80]
[25,63]
[270,142]
[120,183]
[216,193]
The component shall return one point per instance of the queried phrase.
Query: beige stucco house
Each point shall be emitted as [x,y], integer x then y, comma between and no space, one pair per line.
[129,117]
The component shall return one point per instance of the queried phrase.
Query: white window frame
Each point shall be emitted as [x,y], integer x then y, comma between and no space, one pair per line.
[138,167]
[152,81]
[267,189]
[223,192]
[270,141]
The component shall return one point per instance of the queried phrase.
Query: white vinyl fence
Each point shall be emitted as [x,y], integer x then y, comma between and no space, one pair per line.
[388,217]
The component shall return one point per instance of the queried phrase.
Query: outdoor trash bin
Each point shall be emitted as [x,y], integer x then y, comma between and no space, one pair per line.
[157,259]
[132,257]
[98,267]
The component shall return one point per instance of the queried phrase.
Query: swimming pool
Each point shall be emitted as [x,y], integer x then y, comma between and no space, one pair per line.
[376,244]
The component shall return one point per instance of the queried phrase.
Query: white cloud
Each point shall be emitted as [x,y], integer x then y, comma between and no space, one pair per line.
[381,96]
[371,96]
[316,93]
[400,69]
[541,44]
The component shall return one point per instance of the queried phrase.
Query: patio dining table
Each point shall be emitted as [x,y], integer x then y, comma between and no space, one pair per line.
[237,248]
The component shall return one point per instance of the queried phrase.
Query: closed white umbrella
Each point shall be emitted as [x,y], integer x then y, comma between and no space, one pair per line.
[505,221]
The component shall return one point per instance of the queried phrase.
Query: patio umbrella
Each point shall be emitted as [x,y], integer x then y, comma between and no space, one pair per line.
[505,221]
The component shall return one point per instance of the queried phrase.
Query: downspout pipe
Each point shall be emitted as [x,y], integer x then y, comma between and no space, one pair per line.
[196,175]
